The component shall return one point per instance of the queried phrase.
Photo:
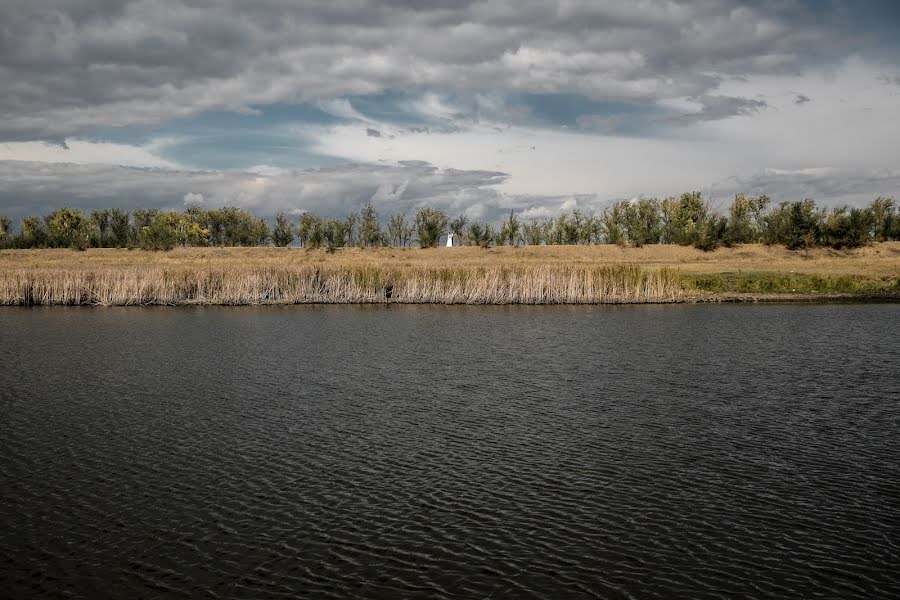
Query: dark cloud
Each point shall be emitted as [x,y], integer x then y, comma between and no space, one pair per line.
[32,188]
[801,99]
[37,188]
[72,66]
[714,108]
[828,186]
[373,133]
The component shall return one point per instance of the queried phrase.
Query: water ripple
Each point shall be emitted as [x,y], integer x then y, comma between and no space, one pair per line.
[365,452]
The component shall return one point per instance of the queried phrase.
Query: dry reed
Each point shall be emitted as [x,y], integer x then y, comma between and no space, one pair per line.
[876,260]
[303,284]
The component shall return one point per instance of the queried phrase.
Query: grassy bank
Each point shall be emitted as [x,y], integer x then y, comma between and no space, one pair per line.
[527,275]
[777,285]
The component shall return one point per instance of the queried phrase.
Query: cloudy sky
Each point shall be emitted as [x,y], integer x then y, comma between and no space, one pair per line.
[470,106]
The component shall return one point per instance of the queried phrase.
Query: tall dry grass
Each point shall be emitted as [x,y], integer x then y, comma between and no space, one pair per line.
[125,286]
[530,275]
[875,260]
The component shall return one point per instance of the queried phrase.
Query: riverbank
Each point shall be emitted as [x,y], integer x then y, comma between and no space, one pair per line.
[525,275]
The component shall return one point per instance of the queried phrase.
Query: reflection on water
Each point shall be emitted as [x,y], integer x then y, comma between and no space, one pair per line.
[503,452]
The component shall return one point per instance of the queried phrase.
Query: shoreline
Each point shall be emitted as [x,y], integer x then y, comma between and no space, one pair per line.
[694,300]
[793,299]
[565,275]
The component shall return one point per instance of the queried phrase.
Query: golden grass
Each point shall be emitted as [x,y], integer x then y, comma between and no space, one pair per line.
[529,275]
[874,261]
[108,286]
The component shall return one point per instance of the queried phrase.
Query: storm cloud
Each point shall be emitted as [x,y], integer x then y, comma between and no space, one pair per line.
[71,66]
[38,188]
[474,107]
[851,186]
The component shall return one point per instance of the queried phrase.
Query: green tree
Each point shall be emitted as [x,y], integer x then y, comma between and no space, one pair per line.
[283,232]
[481,234]
[350,229]
[259,233]
[533,233]
[68,228]
[640,220]
[158,231]
[796,225]
[510,230]
[555,233]
[758,208]
[587,228]
[309,233]
[215,225]
[458,227]
[882,211]
[567,229]
[430,226]
[894,232]
[335,233]
[667,214]
[491,235]
[100,227]
[232,226]
[400,230]
[711,233]
[614,225]
[192,227]
[33,233]
[775,224]
[548,226]
[805,225]
[745,219]
[684,219]
[142,218]
[119,227]
[847,228]
[369,229]
[574,232]
[740,221]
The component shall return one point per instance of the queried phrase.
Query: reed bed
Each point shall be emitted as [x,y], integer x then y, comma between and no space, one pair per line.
[308,284]
[873,261]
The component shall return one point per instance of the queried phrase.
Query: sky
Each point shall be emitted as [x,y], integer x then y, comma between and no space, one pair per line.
[472,107]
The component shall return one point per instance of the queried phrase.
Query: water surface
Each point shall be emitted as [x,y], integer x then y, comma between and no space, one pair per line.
[430,451]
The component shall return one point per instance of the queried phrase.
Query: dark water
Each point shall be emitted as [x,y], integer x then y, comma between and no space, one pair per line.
[371,452]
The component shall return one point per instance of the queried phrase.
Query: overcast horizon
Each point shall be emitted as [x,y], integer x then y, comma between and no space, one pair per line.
[470,107]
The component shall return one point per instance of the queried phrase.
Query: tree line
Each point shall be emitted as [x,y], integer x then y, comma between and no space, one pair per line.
[686,220]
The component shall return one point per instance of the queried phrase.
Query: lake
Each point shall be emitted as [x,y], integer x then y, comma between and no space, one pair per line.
[705,451]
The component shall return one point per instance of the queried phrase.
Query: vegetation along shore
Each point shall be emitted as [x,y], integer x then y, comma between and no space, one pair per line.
[688,220]
[575,274]
[673,250]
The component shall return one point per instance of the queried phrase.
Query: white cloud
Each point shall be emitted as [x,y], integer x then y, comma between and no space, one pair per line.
[191,199]
[70,67]
[341,107]
[862,136]
[432,105]
[832,149]
[85,152]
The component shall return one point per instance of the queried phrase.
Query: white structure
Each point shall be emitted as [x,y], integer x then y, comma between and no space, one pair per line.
[450,240]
